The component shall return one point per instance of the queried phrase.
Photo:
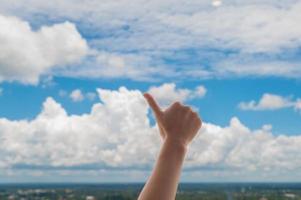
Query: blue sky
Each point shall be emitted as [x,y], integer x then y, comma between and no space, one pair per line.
[72,75]
[218,98]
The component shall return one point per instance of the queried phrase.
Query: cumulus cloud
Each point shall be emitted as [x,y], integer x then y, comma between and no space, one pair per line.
[26,54]
[237,146]
[111,135]
[270,102]
[168,93]
[117,134]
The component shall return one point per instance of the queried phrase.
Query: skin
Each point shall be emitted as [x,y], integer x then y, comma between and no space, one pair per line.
[178,125]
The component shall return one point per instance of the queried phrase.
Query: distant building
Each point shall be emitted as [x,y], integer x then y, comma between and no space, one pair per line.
[290,195]
[90,198]
[11,197]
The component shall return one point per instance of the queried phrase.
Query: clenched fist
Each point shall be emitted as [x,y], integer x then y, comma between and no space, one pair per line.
[178,123]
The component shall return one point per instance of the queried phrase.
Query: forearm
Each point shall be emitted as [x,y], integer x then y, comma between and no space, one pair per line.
[163,183]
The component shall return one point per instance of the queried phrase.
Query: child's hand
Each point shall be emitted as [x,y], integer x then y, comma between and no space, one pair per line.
[178,123]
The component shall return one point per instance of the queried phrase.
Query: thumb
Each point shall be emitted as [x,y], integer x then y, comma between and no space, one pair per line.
[154,105]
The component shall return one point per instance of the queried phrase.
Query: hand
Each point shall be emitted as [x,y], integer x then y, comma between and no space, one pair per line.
[178,123]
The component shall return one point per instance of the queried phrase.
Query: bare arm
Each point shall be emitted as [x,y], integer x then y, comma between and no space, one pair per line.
[178,125]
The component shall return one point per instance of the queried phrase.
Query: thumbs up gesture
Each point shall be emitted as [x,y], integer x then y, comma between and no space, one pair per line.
[178,123]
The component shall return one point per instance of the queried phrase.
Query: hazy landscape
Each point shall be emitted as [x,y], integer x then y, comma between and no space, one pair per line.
[187,191]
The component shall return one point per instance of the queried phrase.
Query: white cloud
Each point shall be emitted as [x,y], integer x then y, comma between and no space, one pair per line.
[117,133]
[217,3]
[168,93]
[110,135]
[159,29]
[200,91]
[26,54]
[252,25]
[250,65]
[77,95]
[112,60]
[116,65]
[238,146]
[270,102]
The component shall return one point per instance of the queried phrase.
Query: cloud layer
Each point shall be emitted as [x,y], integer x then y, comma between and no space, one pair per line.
[165,39]
[117,134]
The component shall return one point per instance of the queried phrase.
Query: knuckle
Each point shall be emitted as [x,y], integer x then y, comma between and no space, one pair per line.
[185,109]
[177,104]
[196,116]
[198,121]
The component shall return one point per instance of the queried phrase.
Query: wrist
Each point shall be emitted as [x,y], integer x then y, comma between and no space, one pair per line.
[175,145]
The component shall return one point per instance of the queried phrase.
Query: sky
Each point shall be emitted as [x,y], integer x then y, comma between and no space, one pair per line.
[72,75]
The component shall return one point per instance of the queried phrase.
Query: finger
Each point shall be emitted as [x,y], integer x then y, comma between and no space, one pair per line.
[162,133]
[153,104]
